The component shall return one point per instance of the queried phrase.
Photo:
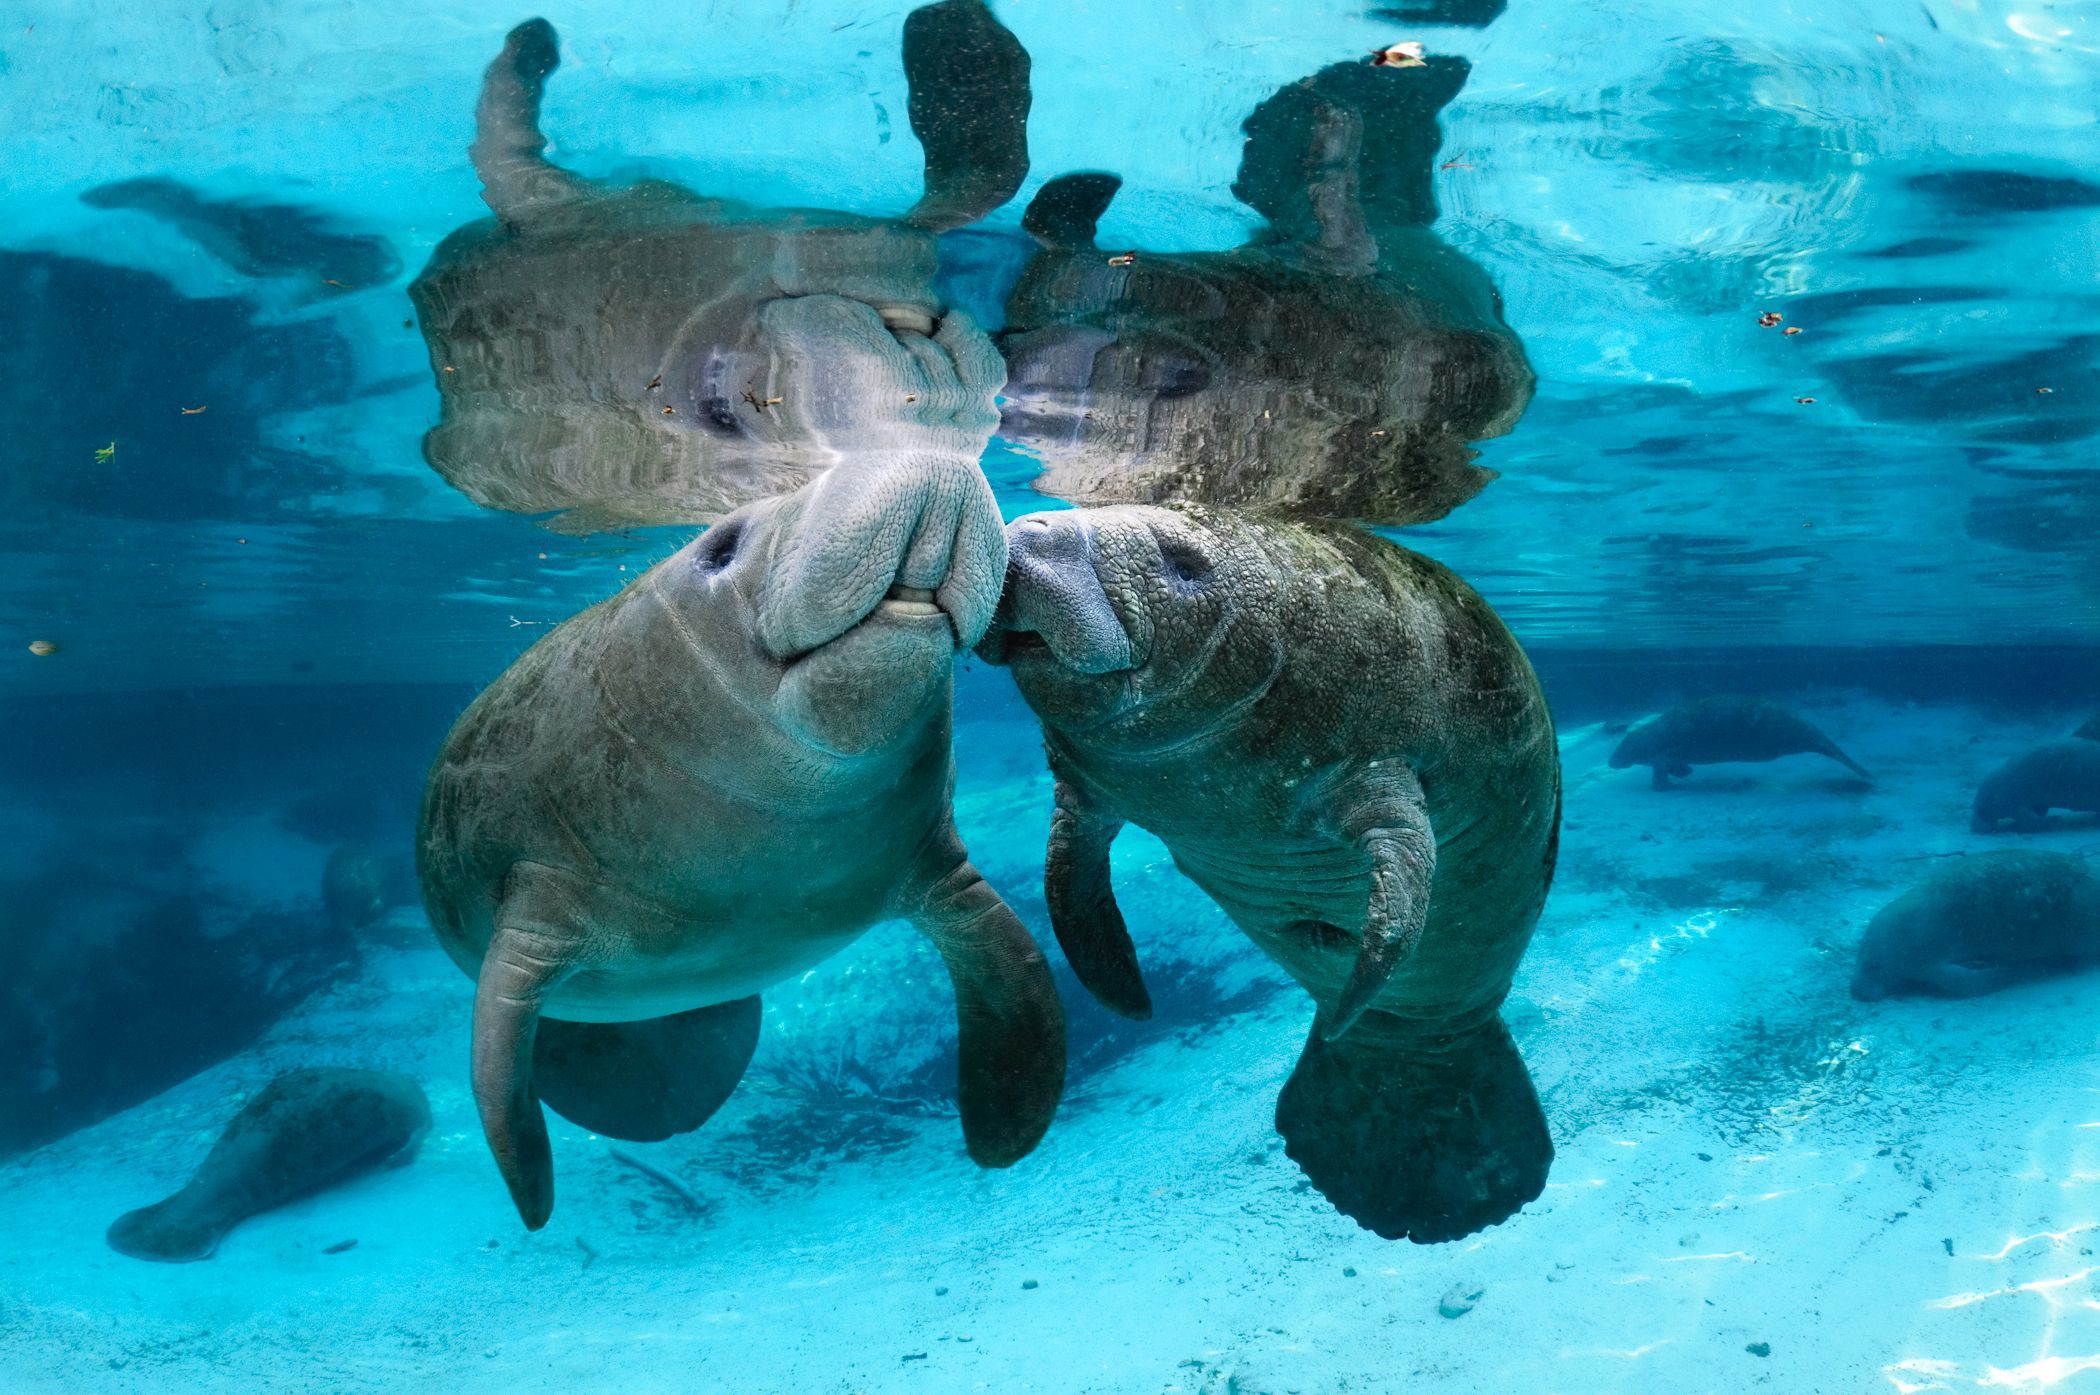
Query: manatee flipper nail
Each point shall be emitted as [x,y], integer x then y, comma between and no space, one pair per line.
[509,149]
[1083,911]
[1427,1138]
[1011,1070]
[645,1081]
[969,104]
[527,956]
[304,1132]
[1065,213]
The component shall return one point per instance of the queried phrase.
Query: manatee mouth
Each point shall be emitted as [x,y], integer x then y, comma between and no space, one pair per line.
[909,600]
[907,319]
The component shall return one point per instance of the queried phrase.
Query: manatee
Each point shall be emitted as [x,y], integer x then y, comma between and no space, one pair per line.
[645,354]
[1342,745]
[1981,923]
[304,1132]
[363,880]
[1336,365]
[2091,730]
[708,784]
[1717,729]
[257,238]
[2054,775]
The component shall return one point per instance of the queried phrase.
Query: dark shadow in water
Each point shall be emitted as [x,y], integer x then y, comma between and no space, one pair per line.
[144,403]
[1472,14]
[1336,365]
[1998,399]
[1919,247]
[1982,193]
[260,239]
[2060,513]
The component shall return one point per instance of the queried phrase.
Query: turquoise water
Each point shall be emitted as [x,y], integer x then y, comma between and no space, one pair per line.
[247,594]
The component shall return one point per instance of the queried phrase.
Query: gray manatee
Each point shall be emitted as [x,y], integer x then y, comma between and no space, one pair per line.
[304,1132]
[2091,730]
[1337,365]
[1343,746]
[2054,775]
[1719,729]
[711,782]
[1981,923]
[650,355]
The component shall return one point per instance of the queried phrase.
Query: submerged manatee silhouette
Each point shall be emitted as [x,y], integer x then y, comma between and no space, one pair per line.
[1335,366]
[713,781]
[2053,775]
[305,1131]
[648,355]
[1343,746]
[1981,923]
[1716,730]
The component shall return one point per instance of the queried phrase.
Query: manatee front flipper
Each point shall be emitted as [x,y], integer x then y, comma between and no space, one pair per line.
[508,149]
[645,1081]
[1383,813]
[1064,213]
[1083,911]
[1012,1027]
[538,925]
[1414,1134]
[1827,747]
[969,108]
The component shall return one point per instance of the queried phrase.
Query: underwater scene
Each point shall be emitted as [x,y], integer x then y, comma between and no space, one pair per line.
[1237,697]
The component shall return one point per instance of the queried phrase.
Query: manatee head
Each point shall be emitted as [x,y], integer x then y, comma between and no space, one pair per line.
[843,604]
[1138,626]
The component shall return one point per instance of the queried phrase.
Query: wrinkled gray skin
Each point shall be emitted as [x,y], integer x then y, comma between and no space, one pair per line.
[710,783]
[304,1132]
[2054,775]
[1980,923]
[647,355]
[1715,730]
[1335,366]
[1344,747]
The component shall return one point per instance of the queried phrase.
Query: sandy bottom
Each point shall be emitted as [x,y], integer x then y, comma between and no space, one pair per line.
[1761,1184]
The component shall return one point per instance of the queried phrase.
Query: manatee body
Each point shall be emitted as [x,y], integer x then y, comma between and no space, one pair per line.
[1720,729]
[2054,775]
[1981,923]
[646,354]
[1335,366]
[2091,730]
[304,1132]
[1344,747]
[711,782]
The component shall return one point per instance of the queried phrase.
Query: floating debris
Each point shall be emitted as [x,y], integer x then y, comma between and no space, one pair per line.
[1806,401]
[194,411]
[1759,1348]
[340,1247]
[1123,259]
[42,648]
[1404,55]
[2045,389]
[669,1182]
[105,454]
[655,383]
[1454,165]
[1791,329]
[1770,318]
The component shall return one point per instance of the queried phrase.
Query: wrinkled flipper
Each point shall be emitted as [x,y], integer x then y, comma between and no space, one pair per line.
[645,1081]
[537,926]
[1083,911]
[1065,213]
[1830,748]
[508,149]
[1659,773]
[1413,1135]
[1383,812]
[1012,1026]
[969,108]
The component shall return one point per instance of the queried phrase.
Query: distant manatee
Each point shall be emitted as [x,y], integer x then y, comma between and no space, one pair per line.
[1336,365]
[304,1132]
[259,239]
[2054,775]
[1981,923]
[639,355]
[1718,730]
[2091,730]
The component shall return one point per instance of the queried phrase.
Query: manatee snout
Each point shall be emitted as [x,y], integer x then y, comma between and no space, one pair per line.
[1867,987]
[1054,593]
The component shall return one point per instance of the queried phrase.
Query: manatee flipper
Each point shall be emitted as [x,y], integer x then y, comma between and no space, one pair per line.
[1011,1069]
[1826,747]
[508,149]
[527,956]
[1083,911]
[969,104]
[1427,1137]
[645,1081]
[1065,213]
[1385,815]
[1659,773]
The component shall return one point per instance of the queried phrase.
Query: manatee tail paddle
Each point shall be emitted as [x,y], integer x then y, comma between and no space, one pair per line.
[1414,1135]
[645,1081]
[1830,748]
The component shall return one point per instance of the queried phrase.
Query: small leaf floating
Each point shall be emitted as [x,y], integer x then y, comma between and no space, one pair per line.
[1405,55]
[105,454]
[194,411]
[1791,329]
[1123,259]
[1770,318]
[1805,401]
[42,648]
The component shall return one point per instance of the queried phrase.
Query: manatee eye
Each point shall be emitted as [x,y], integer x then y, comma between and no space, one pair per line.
[1186,569]
[718,546]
